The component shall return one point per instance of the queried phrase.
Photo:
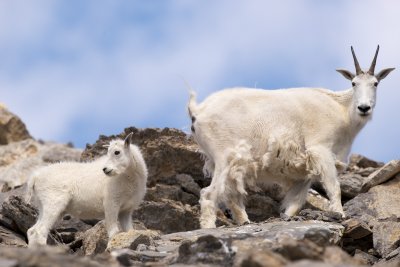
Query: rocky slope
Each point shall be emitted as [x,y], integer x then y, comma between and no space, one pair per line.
[166,229]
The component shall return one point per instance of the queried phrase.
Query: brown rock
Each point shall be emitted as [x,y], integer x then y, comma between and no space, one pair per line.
[294,250]
[386,237]
[376,204]
[12,129]
[356,229]
[365,258]
[351,184]
[167,216]
[261,207]
[22,214]
[132,239]
[47,256]
[173,192]
[206,249]
[363,162]
[264,258]
[11,239]
[94,240]
[382,175]
[316,201]
[336,256]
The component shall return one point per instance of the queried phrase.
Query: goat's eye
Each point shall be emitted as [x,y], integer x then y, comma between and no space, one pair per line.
[376,84]
[353,84]
[116,153]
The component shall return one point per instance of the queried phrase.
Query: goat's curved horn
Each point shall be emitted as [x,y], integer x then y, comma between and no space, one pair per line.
[358,69]
[372,68]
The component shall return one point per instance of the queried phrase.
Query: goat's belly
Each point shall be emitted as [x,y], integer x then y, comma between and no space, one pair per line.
[86,210]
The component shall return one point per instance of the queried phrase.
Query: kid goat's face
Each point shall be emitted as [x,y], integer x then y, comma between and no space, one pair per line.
[118,157]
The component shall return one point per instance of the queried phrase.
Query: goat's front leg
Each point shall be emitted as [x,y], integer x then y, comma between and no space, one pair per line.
[208,204]
[322,161]
[125,219]
[111,211]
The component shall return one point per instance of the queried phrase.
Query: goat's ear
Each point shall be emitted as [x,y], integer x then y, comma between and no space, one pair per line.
[128,140]
[347,74]
[383,73]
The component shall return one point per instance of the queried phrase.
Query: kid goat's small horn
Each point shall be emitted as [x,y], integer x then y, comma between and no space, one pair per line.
[358,69]
[372,68]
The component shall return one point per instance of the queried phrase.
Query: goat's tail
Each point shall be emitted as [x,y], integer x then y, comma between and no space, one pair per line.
[30,189]
[192,105]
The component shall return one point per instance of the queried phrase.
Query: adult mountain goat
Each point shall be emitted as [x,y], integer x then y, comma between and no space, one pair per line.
[288,136]
[111,186]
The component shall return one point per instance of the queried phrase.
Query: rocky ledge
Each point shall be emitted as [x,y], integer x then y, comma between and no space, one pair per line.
[166,228]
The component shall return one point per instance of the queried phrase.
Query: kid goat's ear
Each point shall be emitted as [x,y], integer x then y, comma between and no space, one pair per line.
[128,140]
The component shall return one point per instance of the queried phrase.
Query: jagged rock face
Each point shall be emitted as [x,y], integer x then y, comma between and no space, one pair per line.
[12,129]
[166,225]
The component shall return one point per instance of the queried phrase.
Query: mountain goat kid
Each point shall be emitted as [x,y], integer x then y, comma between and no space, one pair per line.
[110,187]
[288,136]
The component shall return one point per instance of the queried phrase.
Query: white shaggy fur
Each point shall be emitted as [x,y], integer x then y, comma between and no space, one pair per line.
[287,136]
[111,187]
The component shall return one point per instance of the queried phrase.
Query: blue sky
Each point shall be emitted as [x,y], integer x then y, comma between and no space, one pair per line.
[73,70]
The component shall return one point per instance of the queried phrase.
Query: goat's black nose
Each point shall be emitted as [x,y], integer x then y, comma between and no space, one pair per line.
[364,108]
[104,170]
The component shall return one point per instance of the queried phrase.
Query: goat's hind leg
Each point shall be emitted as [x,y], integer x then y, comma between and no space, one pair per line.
[296,197]
[236,205]
[209,198]
[49,212]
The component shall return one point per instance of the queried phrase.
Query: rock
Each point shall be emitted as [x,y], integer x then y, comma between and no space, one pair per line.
[264,258]
[316,201]
[69,227]
[360,161]
[386,237]
[364,258]
[336,256]
[132,239]
[310,263]
[377,203]
[173,192]
[22,214]
[227,245]
[127,257]
[167,152]
[167,216]
[350,184]
[19,159]
[47,256]
[11,239]
[294,250]
[94,240]
[186,182]
[12,129]
[382,175]
[206,249]
[356,229]
[261,207]
[326,216]
[321,233]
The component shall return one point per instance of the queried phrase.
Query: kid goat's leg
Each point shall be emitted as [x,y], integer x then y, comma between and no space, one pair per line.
[49,212]
[125,219]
